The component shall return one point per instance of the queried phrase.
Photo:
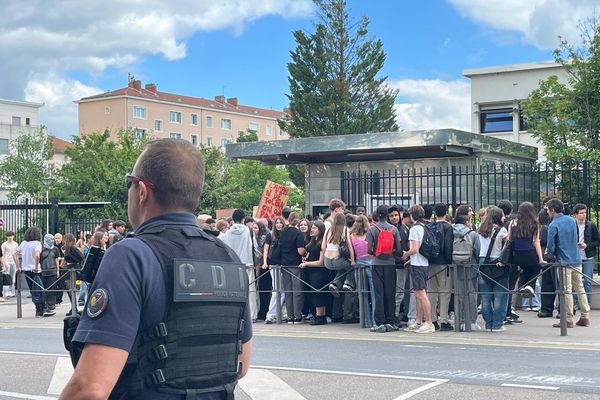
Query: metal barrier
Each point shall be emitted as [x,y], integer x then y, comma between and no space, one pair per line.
[71,291]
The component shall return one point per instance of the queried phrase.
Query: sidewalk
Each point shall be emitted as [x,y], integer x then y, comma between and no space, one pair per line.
[533,332]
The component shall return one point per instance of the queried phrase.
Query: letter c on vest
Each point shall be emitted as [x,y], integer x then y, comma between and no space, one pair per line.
[184,271]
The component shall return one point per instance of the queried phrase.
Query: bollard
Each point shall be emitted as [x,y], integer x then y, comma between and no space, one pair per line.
[360,270]
[560,291]
[18,277]
[73,290]
[277,287]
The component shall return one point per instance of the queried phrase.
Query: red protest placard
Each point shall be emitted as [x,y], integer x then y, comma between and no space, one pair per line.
[274,199]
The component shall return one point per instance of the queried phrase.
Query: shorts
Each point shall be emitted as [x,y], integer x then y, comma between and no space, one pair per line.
[418,277]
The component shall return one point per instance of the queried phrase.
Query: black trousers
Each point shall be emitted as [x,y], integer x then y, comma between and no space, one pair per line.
[548,288]
[384,286]
[51,287]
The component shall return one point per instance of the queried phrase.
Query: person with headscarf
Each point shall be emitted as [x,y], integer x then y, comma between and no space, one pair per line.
[49,263]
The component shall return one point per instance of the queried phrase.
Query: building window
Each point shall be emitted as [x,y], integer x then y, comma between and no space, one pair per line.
[225,142]
[280,131]
[195,140]
[158,125]
[194,119]
[208,121]
[175,135]
[253,126]
[139,112]
[16,121]
[209,141]
[3,146]
[225,123]
[523,125]
[107,110]
[139,133]
[175,117]
[27,121]
[500,120]
[268,130]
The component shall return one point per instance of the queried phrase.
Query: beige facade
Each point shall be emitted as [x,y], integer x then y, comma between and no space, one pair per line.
[496,93]
[160,115]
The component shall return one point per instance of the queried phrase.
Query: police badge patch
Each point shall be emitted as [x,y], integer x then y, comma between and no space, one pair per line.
[97,303]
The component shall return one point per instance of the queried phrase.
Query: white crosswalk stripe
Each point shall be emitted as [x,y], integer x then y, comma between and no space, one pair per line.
[62,372]
[261,384]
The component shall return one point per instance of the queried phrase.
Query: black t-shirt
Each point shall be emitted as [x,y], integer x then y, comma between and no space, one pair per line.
[290,240]
[314,251]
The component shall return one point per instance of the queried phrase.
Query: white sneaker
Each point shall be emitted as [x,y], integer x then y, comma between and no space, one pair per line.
[2,300]
[475,326]
[411,327]
[501,329]
[426,328]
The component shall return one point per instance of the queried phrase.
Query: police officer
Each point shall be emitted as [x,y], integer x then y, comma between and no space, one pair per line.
[167,317]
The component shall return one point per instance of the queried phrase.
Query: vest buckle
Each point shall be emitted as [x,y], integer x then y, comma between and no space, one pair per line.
[160,352]
[157,377]
[160,330]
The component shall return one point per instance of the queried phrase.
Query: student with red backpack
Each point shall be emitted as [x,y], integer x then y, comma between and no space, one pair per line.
[382,239]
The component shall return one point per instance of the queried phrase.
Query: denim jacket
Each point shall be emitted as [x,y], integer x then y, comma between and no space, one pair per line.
[562,240]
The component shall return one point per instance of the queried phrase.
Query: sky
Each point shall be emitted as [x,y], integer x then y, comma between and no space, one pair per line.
[57,52]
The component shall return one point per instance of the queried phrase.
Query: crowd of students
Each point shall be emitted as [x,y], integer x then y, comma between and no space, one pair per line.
[407,256]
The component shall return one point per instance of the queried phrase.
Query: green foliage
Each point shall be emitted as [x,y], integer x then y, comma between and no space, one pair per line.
[249,136]
[237,184]
[566,118]
[24,169]
[96,172]
[334,88]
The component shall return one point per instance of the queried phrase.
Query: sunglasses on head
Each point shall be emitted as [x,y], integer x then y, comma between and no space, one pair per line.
[131,179]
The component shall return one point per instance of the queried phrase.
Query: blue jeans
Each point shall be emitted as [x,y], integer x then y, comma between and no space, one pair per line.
[494,300]
[368,293]
[587,265]
[83,291]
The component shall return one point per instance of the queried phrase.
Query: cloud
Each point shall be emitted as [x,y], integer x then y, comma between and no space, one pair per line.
[49,39]
[59,112]
[540,22]
[433,104]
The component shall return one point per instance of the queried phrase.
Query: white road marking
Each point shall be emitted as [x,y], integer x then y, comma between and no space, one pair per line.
[530,386]
[25,396]
[28,353]
[421,389]
[62,373]
[261,384]
[324,371]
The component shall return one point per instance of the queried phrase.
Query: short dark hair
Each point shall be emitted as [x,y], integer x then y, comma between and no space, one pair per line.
[336,203]
[382,212]
[463,209]
[32,234]
[119,223]
[106,222]
[440,210]
[210,221]
[238,216]
[350,218]
[427,211]
[10,233]
[285,213]
[556,205]
[462,219]
[578,207]
[416,212]
[506,206]
[176,168]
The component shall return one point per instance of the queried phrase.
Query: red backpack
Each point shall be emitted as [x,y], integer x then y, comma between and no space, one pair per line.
[385,242]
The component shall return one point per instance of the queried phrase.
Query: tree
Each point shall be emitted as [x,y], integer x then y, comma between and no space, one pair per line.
[334,88]
[96,171]
[248,136]
[565,118]
[24,169]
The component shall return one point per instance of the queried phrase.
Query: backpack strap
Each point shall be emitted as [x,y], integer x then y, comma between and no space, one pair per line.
[491,246]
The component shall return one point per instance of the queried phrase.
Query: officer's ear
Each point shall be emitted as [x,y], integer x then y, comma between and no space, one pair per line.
[144,191]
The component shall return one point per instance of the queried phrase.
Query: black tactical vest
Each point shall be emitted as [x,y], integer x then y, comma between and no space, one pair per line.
[196,346]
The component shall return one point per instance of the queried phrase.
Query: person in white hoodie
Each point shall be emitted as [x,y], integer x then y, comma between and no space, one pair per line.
[239,238]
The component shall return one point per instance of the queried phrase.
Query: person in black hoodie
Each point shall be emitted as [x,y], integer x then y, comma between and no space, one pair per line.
[439,285]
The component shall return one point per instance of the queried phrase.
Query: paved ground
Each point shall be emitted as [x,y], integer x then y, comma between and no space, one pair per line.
[346,362]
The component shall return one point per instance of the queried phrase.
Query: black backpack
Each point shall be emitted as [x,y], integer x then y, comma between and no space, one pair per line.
[430,246]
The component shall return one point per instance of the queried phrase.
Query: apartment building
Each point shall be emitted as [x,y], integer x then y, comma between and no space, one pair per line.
[496,93]
[16,118]
[159,114]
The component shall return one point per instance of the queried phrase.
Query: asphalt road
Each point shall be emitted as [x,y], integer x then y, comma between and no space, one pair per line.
[333,368]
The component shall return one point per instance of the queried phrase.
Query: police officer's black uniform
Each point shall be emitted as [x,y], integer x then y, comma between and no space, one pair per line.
[183,337]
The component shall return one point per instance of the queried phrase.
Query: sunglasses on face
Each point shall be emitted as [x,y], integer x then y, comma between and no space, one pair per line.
[131,179]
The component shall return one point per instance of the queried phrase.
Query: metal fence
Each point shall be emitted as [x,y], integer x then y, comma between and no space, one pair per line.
[478,186]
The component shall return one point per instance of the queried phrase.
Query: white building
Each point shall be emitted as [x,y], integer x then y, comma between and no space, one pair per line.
[16,118]
[496,93]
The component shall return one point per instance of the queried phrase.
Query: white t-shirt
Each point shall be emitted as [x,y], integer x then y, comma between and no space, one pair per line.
[581,239]
[485,243]
[416,233]
[27,250]
[8,249]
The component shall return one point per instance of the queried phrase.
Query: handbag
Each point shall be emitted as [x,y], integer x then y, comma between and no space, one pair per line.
[506,255]
[343,247]
[7,280]
[490,271]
